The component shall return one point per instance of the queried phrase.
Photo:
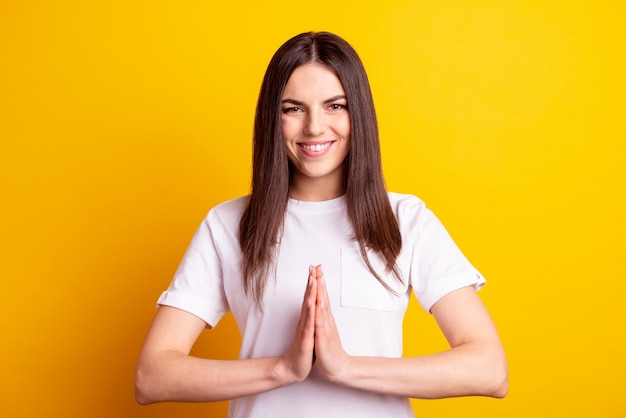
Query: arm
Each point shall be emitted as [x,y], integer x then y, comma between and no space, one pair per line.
[474,365]
[166,371]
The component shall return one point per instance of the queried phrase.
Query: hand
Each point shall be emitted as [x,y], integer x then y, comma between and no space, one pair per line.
[298,360]
[332,360]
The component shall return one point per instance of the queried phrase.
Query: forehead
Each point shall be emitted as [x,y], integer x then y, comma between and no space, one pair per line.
[313,79]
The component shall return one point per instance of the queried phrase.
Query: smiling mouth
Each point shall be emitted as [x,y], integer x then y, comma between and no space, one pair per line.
[318,147]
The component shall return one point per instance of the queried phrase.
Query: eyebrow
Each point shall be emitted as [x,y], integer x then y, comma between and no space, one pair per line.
[299,103]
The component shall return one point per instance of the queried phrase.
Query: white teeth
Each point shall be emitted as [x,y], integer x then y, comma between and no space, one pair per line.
[316,147]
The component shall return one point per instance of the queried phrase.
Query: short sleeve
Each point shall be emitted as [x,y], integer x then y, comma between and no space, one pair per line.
[438,266]
[197,286]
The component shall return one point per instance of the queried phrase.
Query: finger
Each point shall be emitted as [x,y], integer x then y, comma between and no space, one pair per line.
[322,281]
[306,322]
[323,300]
[310,295]
[322,314]
[309,286]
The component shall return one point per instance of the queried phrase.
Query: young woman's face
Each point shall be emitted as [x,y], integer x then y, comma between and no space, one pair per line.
[316,125]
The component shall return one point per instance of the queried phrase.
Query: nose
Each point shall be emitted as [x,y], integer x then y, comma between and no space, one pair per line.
[315,124]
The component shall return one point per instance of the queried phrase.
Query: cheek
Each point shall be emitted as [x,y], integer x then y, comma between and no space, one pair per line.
[288,128]
[288,132]
[343,124]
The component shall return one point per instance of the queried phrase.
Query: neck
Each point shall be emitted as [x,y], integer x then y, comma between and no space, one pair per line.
[316,189]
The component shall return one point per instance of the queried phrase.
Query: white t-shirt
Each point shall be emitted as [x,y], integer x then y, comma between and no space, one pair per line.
[369,318]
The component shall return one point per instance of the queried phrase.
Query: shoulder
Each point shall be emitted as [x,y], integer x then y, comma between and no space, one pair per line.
[402,203]
[410,211]
[228,213]
[232,206]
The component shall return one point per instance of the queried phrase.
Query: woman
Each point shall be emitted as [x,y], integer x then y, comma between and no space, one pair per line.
[319,223]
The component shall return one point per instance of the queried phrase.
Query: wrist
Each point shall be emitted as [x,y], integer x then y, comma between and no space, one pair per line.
[282,374]
[344,375]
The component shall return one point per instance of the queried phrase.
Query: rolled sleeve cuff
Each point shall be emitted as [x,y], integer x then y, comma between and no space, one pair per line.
[192,304]
[447,285]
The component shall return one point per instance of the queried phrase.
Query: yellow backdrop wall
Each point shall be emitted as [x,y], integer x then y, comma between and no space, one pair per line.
[122,123]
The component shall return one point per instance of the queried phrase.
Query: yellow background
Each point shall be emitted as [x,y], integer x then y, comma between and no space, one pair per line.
[123,122]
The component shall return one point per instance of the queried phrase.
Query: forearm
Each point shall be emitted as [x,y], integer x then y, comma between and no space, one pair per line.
[166,372]
[173,376]
[462,371]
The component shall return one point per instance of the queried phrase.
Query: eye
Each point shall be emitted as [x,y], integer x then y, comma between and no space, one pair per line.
[291,109]
[337,106]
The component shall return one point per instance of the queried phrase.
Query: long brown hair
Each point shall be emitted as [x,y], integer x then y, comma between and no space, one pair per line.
[374,224]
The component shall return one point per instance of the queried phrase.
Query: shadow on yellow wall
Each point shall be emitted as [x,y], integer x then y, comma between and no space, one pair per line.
[122,124]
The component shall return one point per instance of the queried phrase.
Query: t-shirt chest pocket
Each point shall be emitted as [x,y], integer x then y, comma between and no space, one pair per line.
[359,287]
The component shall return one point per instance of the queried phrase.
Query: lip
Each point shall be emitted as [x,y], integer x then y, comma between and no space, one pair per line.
[308,148]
